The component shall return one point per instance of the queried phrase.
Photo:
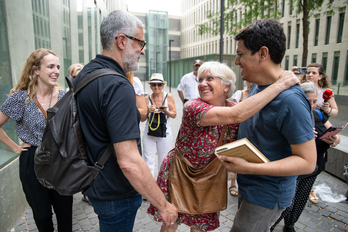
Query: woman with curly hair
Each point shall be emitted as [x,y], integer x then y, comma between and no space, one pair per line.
[317,75]
[37,82]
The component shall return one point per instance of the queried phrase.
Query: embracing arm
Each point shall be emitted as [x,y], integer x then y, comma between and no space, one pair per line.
[138,174]
[302,161]
[249,107]
[7,140]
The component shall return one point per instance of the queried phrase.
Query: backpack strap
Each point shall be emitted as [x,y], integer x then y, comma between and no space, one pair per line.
[320,114]
[105,156]
[94,75]
[99,165]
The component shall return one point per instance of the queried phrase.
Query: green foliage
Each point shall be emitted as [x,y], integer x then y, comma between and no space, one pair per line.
[238,14]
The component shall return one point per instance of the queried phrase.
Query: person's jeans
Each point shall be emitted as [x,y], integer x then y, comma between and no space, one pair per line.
[117,215]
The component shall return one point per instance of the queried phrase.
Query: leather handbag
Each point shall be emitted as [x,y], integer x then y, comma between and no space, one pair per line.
[197,190]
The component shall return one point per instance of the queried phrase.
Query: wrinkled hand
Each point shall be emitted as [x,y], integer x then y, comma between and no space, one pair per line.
[22,147]
[287,79]
[169,215]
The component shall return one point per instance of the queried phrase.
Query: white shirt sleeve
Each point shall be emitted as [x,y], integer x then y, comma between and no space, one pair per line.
[138,87]
[237,95]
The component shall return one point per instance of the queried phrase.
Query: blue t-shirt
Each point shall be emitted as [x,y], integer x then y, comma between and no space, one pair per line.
[108,114]
[285,120]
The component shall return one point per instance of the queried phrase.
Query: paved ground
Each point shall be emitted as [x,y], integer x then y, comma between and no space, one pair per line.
[321,217]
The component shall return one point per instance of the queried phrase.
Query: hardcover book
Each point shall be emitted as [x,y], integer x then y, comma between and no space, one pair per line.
[242,148]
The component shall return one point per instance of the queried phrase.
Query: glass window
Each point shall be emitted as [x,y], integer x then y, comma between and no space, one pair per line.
[324,60]
[297,34]
[328,29]
[295,60]
[314,58]
[340,27]
[89,21]
[41,24]
[287,63]
[316,35]
[6,155]
[346,71]
[335,68]
[289,36]
[66,36]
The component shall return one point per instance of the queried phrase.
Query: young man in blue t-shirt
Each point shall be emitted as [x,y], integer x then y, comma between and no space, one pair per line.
[282,131]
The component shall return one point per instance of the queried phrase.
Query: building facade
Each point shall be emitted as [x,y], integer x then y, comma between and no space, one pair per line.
[163,37]
[327,41]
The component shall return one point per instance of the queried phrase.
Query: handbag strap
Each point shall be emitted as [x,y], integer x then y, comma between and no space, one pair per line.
[40,107]
[158,122]
[162,102]
[153,115]
[222,135]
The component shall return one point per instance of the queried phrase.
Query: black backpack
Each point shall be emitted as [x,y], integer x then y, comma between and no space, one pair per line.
[61,162]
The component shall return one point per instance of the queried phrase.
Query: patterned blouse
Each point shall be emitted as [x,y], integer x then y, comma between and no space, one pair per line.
[30,122]
[197,143]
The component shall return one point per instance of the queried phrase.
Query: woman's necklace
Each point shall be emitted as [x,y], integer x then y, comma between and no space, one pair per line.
[49,106]
[157,99]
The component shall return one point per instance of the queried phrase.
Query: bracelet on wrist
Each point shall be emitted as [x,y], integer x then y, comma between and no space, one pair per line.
[329,111]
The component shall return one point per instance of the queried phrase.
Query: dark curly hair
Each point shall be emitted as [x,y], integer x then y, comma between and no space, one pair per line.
[324,81]
[264,32]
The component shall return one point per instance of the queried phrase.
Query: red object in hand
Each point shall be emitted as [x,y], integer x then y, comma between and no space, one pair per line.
[327,95]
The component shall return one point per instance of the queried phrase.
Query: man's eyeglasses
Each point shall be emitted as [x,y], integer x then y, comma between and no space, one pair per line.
[207,79]
[240,54]
[158,84]
[141,42]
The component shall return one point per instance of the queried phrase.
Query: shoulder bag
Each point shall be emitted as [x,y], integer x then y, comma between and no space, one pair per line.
[157,122]
[198,190]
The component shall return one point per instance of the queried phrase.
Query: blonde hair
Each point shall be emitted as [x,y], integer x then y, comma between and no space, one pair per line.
[74,68]
[130,76]
[27,79]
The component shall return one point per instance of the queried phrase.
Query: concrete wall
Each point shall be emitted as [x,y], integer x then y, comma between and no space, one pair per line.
[337,158]
[12,200]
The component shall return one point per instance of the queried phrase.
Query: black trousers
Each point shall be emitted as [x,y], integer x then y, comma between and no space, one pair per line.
[294,211]
[42,199]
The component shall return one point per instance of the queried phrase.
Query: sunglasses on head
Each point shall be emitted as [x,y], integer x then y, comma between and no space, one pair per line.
[158,84]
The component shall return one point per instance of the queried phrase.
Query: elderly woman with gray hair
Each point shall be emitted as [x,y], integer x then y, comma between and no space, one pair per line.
[202,123]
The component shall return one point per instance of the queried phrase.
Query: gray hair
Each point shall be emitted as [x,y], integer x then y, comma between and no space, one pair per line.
[115,23]
[217,69]
[309,87]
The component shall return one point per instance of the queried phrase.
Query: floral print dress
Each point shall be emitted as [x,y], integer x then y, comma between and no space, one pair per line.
[197,143]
